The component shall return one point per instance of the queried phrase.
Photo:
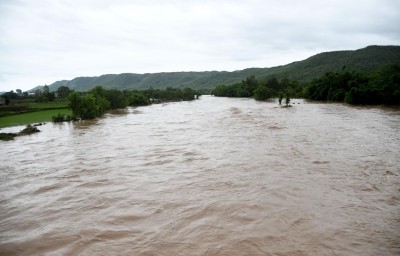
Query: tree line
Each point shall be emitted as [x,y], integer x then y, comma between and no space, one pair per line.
[38,96]
[99,100]
[261,90]
[378,87]
[381,86]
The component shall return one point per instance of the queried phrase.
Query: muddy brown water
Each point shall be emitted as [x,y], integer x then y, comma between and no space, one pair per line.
[216,176]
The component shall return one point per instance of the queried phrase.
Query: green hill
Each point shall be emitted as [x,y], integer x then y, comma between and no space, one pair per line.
[364,60]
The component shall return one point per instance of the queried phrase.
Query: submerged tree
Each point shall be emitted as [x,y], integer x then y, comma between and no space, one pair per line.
[280,98]
[87,106]
[138,99]
[287,100]
[263,93]
[287,94]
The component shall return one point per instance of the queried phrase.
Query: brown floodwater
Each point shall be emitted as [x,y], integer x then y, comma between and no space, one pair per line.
[216,176]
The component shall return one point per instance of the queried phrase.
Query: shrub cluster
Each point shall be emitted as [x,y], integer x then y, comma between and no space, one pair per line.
[59,118]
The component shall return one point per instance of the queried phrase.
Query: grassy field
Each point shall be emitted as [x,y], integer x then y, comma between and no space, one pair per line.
[26,111]
[52,105]
[26,107]
[31,117]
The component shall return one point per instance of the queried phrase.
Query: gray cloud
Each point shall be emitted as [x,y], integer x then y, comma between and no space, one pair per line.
[45,41]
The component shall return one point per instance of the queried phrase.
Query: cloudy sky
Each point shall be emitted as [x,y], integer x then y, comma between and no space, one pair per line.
[49,40]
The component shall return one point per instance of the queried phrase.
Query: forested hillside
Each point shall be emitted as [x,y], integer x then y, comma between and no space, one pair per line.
[362,60]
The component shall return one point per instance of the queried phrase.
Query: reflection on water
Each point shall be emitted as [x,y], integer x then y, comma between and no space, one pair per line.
[216,176]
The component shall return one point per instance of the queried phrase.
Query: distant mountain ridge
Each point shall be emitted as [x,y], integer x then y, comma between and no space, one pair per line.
[364,60]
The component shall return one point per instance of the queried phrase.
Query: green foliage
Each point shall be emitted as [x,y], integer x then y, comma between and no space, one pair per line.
[98,100]
[75,103]
[274,84]
[90,107]
[223,91]
[8,96]
[287,100]
[286,94]
[63,91]
[248,86]
[117,99]
[244,89]
[138,99]
[332,86]
[59,118]
[46,89]
[379,87]
[170,94]
[280,98]
[262,92]
[188,94]
[44,96]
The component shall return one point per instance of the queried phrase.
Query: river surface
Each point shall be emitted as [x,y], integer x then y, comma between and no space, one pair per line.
[216,176]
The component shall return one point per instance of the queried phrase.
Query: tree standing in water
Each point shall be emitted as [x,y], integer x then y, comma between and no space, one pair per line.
[287,100]
[286,94]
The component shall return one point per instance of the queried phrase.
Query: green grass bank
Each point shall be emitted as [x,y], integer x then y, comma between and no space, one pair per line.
[31,117]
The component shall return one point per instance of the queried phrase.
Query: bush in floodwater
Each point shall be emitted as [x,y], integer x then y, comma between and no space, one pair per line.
[280,98]
[59,118]
[287,100]
[69,118]
[286,95]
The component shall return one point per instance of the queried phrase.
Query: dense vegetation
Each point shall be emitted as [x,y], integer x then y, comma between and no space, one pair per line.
[99,100]
[260,90]
[362,60]
[379,87]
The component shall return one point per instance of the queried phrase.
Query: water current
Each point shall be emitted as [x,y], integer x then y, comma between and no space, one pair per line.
[215,176]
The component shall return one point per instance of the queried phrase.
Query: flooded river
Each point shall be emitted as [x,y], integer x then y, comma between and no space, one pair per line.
[216,176]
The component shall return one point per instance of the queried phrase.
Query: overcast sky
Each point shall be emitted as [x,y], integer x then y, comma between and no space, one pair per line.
[49,40]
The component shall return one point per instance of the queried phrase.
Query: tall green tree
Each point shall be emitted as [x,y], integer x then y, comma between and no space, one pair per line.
[138,99]
[262,92]
[63,91]
[46,89]
[87,106]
